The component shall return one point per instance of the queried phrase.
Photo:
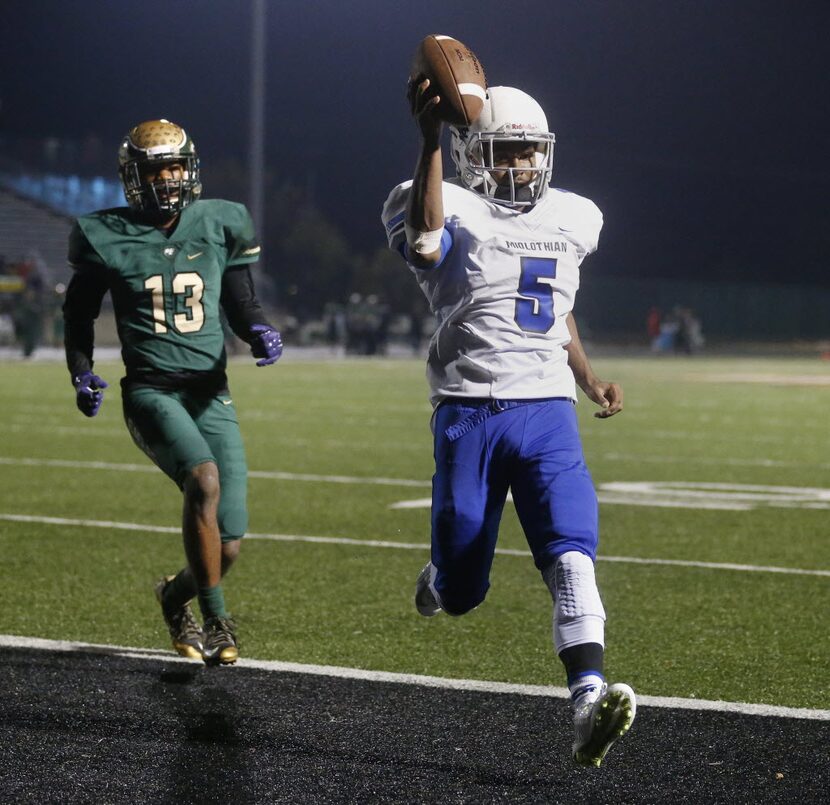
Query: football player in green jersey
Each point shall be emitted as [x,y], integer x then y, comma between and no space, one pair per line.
[170,260]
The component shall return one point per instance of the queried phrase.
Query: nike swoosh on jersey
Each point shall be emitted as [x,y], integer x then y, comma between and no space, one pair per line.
[194,256]
[227,402]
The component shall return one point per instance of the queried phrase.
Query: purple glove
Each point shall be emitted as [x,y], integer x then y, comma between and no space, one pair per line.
[89,393]
[266,343]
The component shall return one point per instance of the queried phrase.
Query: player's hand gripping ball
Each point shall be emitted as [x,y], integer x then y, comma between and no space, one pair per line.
[89,393]
[455,75]
[266,344]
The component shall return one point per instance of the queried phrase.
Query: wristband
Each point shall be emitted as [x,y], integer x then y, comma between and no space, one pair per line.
[423,242]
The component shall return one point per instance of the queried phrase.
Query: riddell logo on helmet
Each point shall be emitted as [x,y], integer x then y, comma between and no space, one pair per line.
[515,127]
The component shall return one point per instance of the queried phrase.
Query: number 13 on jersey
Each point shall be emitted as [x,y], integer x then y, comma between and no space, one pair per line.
[534,307]
[188,285]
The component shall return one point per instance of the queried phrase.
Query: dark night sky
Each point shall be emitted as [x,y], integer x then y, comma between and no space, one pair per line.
[700,128]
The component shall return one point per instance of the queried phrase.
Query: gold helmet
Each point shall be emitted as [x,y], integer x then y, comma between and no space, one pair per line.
[153,144]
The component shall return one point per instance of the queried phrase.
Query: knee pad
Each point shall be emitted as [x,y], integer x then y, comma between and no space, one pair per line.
[232,512]
[578,614]
[233,523]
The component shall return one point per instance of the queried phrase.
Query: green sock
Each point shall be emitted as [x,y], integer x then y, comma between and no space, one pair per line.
[180,590]
[212,602]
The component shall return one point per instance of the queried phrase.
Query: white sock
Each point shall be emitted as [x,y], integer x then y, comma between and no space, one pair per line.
[586,685]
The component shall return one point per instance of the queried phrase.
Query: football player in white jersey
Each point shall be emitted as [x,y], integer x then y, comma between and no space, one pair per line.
[497,252]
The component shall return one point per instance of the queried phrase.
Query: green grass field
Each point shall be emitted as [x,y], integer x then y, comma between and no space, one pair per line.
[673,630]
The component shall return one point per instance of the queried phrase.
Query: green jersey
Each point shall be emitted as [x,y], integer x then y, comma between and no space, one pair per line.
[166,289]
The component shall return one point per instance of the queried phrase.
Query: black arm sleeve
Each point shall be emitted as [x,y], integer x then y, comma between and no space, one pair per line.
[80,309]
[239,301]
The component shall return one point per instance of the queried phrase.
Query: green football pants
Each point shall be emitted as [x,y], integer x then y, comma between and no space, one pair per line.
[179,430]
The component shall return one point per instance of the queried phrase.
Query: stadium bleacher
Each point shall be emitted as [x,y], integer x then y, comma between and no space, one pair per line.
[27,228]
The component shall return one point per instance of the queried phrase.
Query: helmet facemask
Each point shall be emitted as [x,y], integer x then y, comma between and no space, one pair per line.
[146,150]
[480,169]
[169,196]
[510,117]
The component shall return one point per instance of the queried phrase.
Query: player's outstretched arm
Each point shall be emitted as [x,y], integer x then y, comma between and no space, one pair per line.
[607,395]
[246,317]
[425,204]
[81,307]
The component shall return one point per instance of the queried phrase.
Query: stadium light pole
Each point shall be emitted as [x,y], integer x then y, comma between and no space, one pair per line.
[256,152]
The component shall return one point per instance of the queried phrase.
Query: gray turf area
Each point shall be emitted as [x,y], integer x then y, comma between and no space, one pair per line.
[96,727]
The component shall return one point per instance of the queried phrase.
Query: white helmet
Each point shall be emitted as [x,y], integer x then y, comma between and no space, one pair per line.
[509,115]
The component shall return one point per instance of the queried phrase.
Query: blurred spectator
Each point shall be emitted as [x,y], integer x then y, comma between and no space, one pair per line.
[690,332]
[28,320]
[653,325]
[380,320]
[56,313]
[355,324]
[367,325]
[667,335]
[680,332]
[335,320]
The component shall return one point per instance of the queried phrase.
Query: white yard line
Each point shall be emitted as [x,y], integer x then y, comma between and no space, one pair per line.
[767,378]
[404,482]
[406,546]
[72,430]
[475,685]
[275,476]
[637,458]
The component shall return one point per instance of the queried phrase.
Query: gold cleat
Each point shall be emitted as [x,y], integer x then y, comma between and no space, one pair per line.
[219,646]
[182,625]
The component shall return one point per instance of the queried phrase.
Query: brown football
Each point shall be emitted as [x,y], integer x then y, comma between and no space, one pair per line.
[455,74]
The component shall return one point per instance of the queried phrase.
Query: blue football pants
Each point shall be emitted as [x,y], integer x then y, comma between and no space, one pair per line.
[483,448]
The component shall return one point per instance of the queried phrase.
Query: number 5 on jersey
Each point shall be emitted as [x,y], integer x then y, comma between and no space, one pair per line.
[188,285]
[535,314]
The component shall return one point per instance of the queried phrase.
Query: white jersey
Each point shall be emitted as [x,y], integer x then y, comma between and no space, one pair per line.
[502,293]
